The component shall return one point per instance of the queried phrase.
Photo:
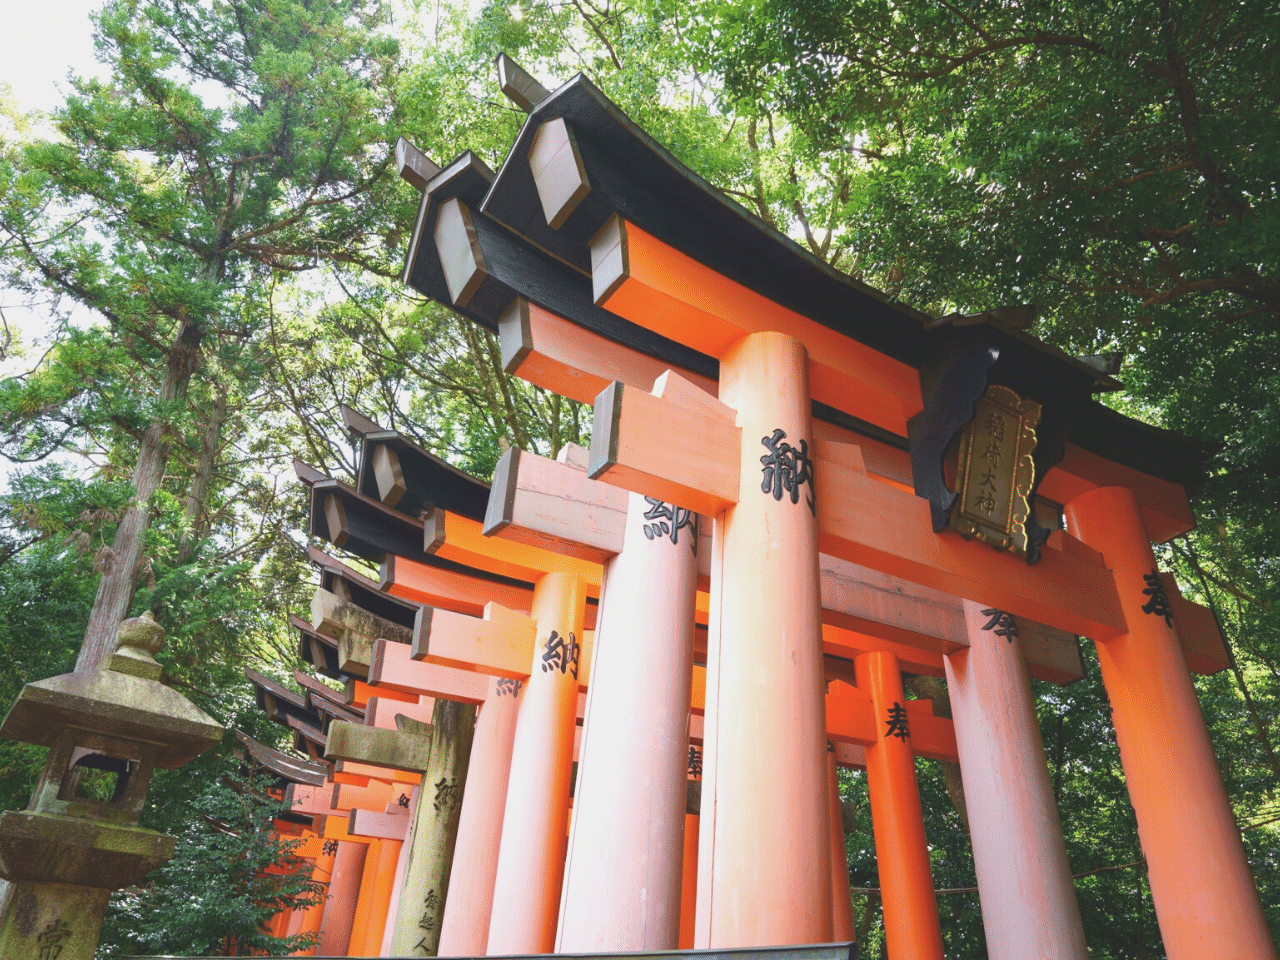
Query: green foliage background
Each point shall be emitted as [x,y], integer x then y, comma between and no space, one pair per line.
[229,188]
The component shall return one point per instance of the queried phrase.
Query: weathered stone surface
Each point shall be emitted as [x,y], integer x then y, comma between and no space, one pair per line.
[142,633]
[116,705]
[435,832]
[44,847]
[381,748]
[354,628]
[64,855]
[52,920]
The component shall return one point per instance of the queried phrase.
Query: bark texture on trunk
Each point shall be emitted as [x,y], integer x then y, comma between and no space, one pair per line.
[120,573]
[196,508]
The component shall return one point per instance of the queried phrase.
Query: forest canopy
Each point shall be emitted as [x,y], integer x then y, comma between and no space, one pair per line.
[224,209]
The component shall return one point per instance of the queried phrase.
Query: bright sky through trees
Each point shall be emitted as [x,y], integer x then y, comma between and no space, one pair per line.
[40,42]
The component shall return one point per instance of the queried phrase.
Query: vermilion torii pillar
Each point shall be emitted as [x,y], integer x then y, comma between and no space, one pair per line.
[1205,898]
[765,849]
[465,928]
[631,790]
[1024,879]
[535,821]
[841,896]
[547,648]
[902,854]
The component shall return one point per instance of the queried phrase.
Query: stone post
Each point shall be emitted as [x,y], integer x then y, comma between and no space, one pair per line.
[66,853]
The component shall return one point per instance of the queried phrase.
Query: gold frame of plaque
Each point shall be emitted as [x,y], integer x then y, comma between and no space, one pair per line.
[994,476]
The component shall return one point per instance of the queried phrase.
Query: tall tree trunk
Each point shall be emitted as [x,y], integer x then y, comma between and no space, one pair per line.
[197,506]
[115,590]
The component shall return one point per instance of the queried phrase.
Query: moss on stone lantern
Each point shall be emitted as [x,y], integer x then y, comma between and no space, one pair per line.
[72,846]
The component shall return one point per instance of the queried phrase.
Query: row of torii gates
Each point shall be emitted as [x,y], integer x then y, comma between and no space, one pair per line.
[796,490]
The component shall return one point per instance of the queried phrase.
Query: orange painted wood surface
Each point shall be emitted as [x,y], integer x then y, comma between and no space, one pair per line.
[851,719]
[1024,879]
[665,449]
[636,719]
[464,930]
[552,353]
[342,897]
[902,853]
[842,929]
[359,774]
[574,362]
[356,945]
[461,539]
[313,801]
[382,713]
[689,881]
[553,505]
[382,825]
[358,694]
[310,919]
[764,845]
[860,520]
[912,621]
[392,667]
[448,589]
[1198,631]
[535,817]
[397,885]
[677,297]
[1205,899]
[890,530]
[499,645]
[385,864]
[1166,511]
[376,796]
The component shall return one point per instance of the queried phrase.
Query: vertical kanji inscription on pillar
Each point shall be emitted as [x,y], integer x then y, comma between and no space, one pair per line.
[427,923]
[695,762]
[1157,604]
[667,520]
[897,722]
[786,469]
[51,938]
[1001,624]
[561,654]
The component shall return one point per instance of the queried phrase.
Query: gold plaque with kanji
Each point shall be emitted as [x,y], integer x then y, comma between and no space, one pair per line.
[995,472]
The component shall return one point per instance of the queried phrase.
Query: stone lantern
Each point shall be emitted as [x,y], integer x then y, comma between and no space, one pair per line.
[72,846]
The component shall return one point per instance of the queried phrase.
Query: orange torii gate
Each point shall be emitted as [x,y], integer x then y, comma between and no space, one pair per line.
[552,504]
[677,273]
[456,539]
[468,643]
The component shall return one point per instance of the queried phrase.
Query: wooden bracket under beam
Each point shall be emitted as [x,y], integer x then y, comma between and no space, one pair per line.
[500,645]
[650,283]
[381,826]
[679,453]
[449,589]
[850,720]
[394,668]
[354,628]
[547,504]
[461,539]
